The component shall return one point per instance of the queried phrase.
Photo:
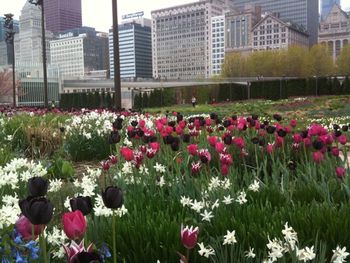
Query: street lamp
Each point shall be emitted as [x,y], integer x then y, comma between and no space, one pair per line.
[117,83]
[41,3]
[9,38]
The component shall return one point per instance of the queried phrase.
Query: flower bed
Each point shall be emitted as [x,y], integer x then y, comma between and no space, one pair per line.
[196,188]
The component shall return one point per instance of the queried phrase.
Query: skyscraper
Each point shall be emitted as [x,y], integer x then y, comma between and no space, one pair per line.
[301,12]
[62,14]
[326,6]
[135,48]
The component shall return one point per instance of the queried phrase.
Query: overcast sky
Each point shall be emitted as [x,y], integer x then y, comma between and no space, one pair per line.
[98,13]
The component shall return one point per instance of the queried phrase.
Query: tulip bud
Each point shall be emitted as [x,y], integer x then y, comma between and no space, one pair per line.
[37,186]
[112,197]
[340,171]
[74,224]
[39,211]
[25,228]
[189,237]
[82,203]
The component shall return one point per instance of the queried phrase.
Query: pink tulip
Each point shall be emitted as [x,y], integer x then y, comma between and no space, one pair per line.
[74,224]
[269,148]
[224,170]
[105,165]
[239,142]
[318,157]
[340,171]
[293,123]
[113,159]
[189,237]
[342,139]
[212,140]
[196,167]
[25,228]
[219,147]
[335,151]
[74,249]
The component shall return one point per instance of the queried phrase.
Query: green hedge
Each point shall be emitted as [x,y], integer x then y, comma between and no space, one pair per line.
[86,100]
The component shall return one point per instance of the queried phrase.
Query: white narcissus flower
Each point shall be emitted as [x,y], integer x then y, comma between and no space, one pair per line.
[241,198]
[306,254]
[55,185]
[276,249]
[230,238]
[185,201]
[205,251]
[339,255]
[254,186]
[215,205]
[290,236]
[160,182]
[227,200]
[207,216]
[159,168]
[197,206]
[250,253]
[214,183]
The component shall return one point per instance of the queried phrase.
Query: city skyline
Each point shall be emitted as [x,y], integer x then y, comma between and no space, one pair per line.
[104,23]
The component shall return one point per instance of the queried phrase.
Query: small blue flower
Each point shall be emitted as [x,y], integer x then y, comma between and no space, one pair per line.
[20,259]
[104,251]
[5,260]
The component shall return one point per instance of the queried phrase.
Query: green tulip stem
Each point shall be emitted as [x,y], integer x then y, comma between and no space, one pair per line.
[114,238]
[188,256]
[43,244]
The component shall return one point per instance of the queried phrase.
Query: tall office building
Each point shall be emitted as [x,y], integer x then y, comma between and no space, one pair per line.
[78,51]
[182,39]
[326,6]
[28,42]
[135,47]
[62,14]
[301,12]
[218,44]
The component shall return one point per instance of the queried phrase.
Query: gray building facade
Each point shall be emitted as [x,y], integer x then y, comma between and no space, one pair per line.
[301,12]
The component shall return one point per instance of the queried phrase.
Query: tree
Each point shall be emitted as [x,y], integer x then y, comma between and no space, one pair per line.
[295,62]
[6,87]
[234,65]
[343,65]
[320,61]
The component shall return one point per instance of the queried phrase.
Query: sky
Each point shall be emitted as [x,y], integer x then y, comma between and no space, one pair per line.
[98,13]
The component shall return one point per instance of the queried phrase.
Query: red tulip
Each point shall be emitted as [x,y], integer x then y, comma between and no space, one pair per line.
[269,148]
[105,165]
[192,149]
[219,147]
[212,140]
[189,237]
[239,142]
[74,224]
[127,153]
[340,171]
[224,170]
[293,123]
[25,228]
[297,138]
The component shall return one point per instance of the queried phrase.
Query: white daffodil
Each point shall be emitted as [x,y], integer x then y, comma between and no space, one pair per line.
[290,236]
[214,183]
[206,216]
[250,253]
[55,185]
[254,186]
[185,201]
[159,168]
[276,249]
[241,198]
[306,254]
[160,182]
[339,255]
[227,200]
[197,206]
[230,238]
[205,251]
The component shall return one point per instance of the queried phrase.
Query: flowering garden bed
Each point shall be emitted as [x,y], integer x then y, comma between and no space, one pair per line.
[196,188]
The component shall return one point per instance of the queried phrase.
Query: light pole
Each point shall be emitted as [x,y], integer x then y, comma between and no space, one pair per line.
[9,38]
[41,3]
[117,83]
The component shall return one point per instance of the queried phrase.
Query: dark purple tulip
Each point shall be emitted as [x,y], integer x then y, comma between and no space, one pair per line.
[112,197]
[270,129]
[38,210]
[82,203]
[87,257]
[186,138]
[37,186]
[114,137]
